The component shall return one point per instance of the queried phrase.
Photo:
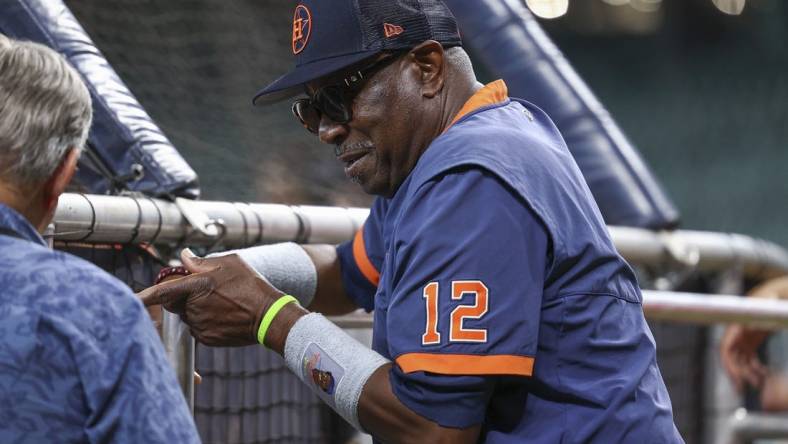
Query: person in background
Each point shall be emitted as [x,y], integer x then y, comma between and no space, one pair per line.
[80,361]
[739,354]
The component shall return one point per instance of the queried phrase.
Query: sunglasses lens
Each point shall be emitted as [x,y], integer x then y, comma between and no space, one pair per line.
[308,114]
[331,100]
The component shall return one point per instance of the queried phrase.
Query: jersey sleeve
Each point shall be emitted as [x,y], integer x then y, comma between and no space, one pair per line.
[361,259]
[464,311]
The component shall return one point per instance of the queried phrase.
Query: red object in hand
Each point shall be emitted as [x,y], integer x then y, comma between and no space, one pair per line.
[170,271]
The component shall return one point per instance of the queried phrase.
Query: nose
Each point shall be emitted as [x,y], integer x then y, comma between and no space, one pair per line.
[331,132]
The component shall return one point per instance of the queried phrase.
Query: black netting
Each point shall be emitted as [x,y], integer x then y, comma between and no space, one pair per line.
[195,65]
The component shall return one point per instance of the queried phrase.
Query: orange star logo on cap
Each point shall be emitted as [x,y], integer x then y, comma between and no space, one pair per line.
[302,28]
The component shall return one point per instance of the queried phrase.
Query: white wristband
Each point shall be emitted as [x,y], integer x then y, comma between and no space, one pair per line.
[286,266]
[331,363]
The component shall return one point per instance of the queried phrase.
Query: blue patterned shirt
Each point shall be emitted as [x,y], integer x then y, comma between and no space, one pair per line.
[80,360]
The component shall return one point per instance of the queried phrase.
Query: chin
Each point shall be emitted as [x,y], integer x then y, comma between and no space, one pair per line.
[377,184]
[370,187]
[382,190]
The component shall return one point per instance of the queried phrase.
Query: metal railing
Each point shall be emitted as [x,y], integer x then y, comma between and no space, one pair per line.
[94,218]
[744,427]
[694,308]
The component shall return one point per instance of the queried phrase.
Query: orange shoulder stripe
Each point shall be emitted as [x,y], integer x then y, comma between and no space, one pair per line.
[492,93]
[446,364]
[362,260]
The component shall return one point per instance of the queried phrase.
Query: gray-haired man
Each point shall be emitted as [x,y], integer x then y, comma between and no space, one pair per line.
[79,358]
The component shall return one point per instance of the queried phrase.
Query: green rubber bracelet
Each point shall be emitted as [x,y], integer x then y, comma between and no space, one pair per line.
[276,307]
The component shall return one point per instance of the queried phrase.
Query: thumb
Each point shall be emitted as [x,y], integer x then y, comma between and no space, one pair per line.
[194,263]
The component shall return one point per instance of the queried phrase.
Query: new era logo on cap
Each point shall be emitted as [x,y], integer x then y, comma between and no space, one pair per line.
[392,30]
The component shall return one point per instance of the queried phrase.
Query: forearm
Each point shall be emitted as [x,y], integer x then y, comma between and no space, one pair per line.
[374,405]
[311,273]
[344,373]
[776,289]
[772,289]
[330,295]
[390,421]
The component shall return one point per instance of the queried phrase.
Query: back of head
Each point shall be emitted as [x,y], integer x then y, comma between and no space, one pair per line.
[45,110]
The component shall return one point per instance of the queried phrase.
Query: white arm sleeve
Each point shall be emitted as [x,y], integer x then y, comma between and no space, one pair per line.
[286,266]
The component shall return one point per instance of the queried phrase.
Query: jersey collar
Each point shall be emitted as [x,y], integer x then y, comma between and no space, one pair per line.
[11,219]
[493,93]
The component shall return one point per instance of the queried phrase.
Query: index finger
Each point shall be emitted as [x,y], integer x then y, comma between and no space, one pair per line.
[170,292]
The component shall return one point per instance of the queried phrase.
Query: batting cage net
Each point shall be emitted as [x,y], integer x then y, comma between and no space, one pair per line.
[194,66]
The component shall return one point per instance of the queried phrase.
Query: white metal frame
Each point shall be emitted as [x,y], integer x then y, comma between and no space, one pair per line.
[95,218]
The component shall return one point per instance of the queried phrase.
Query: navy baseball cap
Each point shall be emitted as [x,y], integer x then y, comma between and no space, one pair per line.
[331,35]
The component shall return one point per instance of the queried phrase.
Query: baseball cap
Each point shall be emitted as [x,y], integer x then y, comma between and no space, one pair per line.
[328,36]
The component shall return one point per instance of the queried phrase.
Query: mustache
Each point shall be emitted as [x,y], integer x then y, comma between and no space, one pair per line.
[350,147]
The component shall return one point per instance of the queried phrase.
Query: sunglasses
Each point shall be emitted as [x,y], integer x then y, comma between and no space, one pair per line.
[336,101]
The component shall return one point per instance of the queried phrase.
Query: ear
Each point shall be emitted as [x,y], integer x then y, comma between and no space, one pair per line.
[57,183]
[429,58]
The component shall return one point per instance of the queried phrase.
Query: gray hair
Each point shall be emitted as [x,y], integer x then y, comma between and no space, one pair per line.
[45,111]
[459,59]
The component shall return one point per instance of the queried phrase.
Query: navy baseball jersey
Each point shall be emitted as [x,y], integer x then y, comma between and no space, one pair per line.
[499,295]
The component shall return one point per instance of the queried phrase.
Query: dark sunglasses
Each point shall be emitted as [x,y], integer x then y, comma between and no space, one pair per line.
[336,101]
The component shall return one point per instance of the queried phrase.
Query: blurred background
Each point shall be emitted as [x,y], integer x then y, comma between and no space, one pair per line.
[698,86]
[701,93]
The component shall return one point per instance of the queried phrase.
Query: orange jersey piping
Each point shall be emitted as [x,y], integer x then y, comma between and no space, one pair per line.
[492,93]
[446,364]
[362,260]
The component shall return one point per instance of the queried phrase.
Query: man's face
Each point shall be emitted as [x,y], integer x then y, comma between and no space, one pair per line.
[377,146]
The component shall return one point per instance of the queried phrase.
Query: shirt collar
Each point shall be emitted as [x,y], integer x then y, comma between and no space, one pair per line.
[10,218]
[492,93]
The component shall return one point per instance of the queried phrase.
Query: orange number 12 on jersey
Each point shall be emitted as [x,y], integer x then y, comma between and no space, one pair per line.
[457,331]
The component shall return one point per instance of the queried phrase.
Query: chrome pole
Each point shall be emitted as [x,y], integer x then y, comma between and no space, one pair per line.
[94,218]
[744,427]
[693,308]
